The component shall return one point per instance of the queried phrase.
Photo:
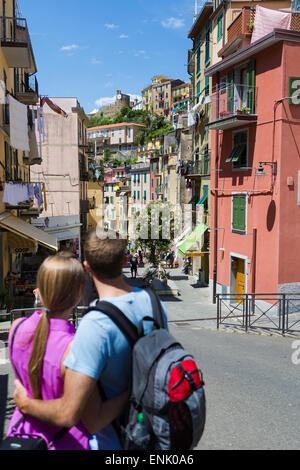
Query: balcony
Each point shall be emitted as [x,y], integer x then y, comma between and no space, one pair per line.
[84,206]
[28,92]
[239,32]
[16,44]
[199,168]
[233,106]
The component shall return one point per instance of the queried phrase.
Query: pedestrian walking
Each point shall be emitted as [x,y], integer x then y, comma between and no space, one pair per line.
[100,350]
[38,347]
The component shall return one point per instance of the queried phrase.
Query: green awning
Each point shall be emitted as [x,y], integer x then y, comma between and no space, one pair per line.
[194,237]
[204,197]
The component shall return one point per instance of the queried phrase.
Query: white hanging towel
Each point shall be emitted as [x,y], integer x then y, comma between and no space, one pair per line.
[2,92]
[266,20]
[18,121]
[41,124]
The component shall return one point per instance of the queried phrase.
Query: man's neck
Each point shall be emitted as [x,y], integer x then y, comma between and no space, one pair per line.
[109,288]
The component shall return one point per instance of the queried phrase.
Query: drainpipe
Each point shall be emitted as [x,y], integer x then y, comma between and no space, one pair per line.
[216,201]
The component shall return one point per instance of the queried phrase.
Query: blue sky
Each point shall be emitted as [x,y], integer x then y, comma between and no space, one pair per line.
[91,48]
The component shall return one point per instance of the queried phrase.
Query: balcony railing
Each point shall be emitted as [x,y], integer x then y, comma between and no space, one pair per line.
[233,106]
[15,42]
[200,167]
[28,92]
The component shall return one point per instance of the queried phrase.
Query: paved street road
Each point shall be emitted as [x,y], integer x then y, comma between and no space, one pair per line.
[252,386]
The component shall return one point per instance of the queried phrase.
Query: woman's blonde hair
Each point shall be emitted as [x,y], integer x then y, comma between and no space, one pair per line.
[60,282]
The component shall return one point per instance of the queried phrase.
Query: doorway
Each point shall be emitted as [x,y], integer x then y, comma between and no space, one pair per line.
[238,278]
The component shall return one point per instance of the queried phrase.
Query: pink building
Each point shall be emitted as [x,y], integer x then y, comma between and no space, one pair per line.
[255,161]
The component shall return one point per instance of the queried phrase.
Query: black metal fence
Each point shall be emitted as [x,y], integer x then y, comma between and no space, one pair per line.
[278,312]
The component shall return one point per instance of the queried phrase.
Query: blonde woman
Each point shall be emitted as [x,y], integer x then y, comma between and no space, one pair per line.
[38,348]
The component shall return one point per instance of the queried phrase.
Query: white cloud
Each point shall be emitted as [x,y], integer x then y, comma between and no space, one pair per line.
[72,47]
[105,101]
[111,26]
[123,36]
[109,85]
[95,61]
[173,23]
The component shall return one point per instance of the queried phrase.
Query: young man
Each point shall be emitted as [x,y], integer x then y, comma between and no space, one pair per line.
[99,350]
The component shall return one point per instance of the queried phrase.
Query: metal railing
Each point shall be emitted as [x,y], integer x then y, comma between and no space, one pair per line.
[275,312]
[14,30]
[234,99]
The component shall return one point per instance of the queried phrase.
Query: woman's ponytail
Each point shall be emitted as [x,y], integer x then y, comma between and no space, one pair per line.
[37,355]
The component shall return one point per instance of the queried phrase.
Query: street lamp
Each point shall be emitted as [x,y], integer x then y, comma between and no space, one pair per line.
[260,170]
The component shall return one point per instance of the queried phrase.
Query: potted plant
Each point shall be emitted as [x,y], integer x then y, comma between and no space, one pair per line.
[251,26]
[243,110]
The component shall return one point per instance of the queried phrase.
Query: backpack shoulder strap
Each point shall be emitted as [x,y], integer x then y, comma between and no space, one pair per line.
[129,330]
[156,307]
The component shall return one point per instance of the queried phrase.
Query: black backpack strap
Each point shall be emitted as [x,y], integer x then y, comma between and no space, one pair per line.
[158,313]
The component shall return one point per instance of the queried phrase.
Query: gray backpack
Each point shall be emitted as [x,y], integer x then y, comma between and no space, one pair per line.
[166,409]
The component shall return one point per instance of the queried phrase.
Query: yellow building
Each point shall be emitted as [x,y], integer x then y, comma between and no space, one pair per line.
[18,90]
[95,197]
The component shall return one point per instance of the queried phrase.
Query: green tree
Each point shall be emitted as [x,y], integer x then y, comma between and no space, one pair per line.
[156,226]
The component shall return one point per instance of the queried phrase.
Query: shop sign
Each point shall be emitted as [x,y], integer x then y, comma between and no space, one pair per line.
[294,90]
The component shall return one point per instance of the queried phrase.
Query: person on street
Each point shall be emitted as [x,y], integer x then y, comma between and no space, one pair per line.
[40,346]
[133,266]
[100,350]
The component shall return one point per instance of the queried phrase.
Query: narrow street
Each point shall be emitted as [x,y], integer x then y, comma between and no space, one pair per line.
[252,385]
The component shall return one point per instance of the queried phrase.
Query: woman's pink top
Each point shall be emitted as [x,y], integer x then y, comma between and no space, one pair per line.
[61,333]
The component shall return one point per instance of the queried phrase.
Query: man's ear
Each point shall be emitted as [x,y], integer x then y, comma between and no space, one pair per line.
[87,267]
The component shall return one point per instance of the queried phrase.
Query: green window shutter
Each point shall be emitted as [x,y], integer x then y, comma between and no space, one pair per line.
[145,195]
[206,86]
[198,54]
[138,195]
[134,178]
[250,80]
[152,183]
[230,90]
[134,195]
[145,178]
[207,43]
[239,212]
[138,178]
[220,27]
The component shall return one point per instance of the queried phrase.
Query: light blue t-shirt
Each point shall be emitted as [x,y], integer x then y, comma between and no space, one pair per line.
[101,349]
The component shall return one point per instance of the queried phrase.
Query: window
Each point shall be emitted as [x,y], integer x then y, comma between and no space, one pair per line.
[152,183]
[198,91]
[167,95]
[145,195]
[220,27]
[239,212]
[239,153]
[145,178]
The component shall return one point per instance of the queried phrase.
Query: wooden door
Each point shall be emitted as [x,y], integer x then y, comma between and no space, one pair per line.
[240,279]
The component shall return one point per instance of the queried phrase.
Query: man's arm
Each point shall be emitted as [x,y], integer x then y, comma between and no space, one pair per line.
[81,401]
[65,411]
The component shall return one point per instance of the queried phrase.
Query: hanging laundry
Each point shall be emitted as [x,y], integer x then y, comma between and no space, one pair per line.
[44,195]
[2,92]
[266,20]
[53,106]
[18,124]
[38,193]
[41,124]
